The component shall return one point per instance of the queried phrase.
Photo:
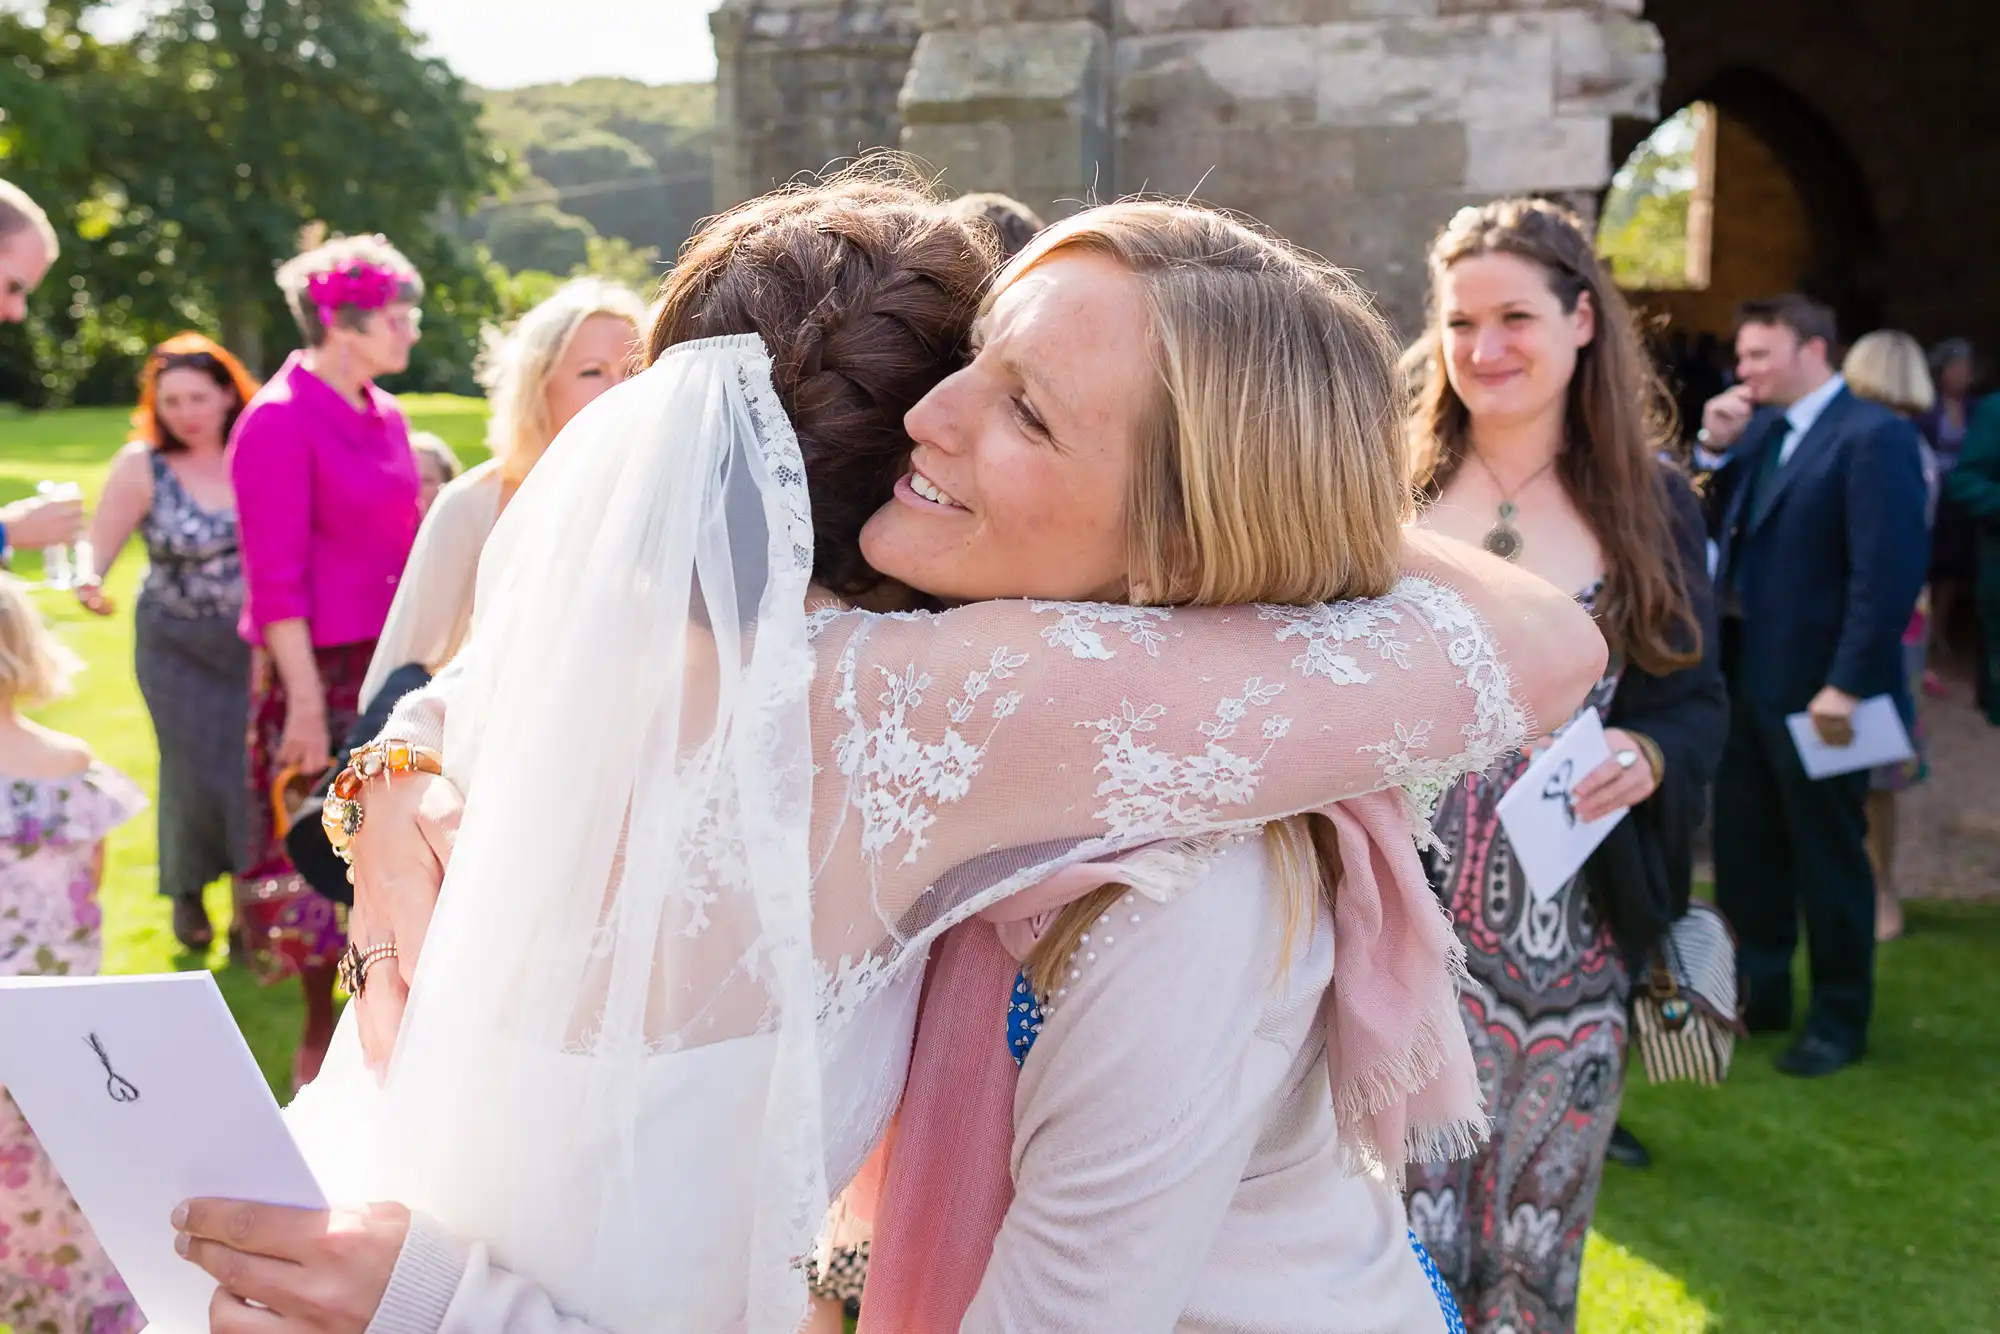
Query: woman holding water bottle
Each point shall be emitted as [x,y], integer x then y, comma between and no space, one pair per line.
[327,495]
[1537,432]
[171,487]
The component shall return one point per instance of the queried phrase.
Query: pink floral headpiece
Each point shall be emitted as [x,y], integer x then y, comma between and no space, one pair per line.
[359,283]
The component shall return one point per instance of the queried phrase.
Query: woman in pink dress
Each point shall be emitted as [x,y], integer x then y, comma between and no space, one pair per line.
[56,806]
[327,497]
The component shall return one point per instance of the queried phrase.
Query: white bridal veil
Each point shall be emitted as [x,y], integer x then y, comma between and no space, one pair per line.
[633,715]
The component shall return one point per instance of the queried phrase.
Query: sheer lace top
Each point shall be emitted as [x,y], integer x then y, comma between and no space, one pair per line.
[964,755]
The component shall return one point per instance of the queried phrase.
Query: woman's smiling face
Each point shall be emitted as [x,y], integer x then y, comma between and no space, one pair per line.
[1019,479]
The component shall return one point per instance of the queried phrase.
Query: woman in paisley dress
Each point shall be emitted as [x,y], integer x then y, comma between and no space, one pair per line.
[56,806]
[1538,431]
[170,485]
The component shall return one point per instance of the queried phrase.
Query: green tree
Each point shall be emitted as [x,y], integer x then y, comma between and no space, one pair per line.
[276,113]
[1643,234]
[61,99]
[590,158]
[630,158]
[616,258]
[539,236]
[185,162]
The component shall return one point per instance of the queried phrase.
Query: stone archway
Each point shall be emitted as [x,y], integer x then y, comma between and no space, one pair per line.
[1881,117]
[1765,125]
[1791,212]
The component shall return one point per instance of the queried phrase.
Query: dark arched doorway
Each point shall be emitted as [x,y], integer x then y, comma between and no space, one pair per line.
[1780,206]
[1845,267]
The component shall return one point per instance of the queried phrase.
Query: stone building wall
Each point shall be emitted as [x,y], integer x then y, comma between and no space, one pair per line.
[1358,126]
[803,83]
[1015,95]
[1355,127]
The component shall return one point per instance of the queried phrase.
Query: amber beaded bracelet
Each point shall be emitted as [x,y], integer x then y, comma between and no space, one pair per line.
[342,814]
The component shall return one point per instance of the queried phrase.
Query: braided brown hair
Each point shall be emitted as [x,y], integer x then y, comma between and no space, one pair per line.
[863,290]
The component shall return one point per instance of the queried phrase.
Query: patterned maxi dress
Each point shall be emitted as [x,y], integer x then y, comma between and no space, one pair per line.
[1546,1014]
[194,671]
[54,1277]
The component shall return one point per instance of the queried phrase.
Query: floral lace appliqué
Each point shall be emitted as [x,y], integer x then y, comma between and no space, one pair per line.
[897,777]
[1327,629]
[1499,723]
[1078,627]
[1152,792]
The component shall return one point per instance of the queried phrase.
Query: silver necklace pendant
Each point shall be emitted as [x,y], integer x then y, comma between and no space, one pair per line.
[1503,539]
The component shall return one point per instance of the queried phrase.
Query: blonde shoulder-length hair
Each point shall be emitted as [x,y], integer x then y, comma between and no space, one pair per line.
[1889,367]
[515,366]
[1269,465]
[35,666]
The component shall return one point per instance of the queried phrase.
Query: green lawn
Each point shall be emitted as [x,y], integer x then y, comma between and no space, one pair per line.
[1865,1203]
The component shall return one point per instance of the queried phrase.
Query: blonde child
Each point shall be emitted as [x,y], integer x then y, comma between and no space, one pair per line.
[56,805]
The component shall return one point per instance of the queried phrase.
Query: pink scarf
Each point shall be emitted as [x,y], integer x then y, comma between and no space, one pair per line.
[1404,1087]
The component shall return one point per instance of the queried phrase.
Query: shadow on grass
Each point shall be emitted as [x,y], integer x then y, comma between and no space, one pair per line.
[1861,1202]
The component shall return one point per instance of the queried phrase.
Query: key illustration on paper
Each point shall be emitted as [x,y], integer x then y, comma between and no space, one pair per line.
[1558,789]
[120,1088]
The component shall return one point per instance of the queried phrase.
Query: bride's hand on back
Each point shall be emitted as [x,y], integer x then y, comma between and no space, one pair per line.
[400,855]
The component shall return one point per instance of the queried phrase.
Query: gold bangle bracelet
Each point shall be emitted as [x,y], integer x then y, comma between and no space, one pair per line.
[1656,760]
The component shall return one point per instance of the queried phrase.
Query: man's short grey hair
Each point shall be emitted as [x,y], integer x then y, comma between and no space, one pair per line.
[18,214]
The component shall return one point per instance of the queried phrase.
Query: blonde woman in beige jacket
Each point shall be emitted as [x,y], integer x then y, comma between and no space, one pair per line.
[539,374]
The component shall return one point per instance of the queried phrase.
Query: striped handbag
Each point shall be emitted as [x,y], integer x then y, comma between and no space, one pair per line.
[1686,1012]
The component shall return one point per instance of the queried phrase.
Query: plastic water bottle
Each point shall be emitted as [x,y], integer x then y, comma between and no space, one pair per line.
[57,569]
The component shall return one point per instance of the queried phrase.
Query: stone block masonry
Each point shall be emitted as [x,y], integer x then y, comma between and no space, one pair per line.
[1354,127]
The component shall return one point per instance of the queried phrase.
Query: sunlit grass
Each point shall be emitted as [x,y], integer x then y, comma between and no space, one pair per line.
[1623,1294]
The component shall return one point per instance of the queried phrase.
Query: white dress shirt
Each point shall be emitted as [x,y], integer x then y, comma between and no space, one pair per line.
[1800,417]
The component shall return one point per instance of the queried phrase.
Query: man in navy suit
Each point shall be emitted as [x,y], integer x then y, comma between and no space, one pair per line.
[1823,548]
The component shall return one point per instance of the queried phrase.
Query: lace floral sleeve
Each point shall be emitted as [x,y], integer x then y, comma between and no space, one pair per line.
[967,754]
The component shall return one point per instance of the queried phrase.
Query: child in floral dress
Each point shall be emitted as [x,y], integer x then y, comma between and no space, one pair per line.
[56,806]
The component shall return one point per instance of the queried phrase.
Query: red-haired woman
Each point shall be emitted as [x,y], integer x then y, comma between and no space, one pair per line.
[171,486]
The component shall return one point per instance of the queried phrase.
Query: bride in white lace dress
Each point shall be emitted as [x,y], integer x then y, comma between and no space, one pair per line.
[639,1097]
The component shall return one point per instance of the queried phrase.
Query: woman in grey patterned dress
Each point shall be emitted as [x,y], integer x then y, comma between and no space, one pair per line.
[1533,435]
[171,486]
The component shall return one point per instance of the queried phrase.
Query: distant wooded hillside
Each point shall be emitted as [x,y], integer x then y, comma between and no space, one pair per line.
[605,157]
